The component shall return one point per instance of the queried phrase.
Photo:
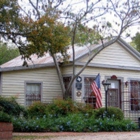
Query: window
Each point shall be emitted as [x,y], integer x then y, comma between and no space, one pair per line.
[33,93]
[66,83]
[87,85]
[135,94]
[113,94]
[89,96]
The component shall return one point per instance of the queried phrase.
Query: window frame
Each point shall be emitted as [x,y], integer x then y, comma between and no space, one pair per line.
[65,76]
[87,76]
[87,99]
[32,82]
[133,99]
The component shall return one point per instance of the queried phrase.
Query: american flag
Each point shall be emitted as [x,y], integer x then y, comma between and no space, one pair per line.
[96,89]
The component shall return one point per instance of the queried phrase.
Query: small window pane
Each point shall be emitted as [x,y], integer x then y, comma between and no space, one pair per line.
[135,95]
[89,96]
[87,85]
[33,93]
[66,81]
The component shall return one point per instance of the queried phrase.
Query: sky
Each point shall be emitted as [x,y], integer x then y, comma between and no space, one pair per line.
[79,4]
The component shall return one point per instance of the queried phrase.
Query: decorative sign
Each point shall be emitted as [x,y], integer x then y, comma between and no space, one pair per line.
[78,93]
[78,85]
[79,79]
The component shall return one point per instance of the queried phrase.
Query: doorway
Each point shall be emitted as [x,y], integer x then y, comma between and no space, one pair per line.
[114,96]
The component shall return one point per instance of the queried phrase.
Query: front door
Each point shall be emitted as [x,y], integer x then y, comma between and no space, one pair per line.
[113,97]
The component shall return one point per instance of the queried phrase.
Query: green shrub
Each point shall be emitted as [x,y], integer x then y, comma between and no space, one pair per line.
[4,117]
[29,125]
[72,122]
[84,108]
[10,106]
[63,107]
[109,124]
[76,122]
[112,112]
[37,109]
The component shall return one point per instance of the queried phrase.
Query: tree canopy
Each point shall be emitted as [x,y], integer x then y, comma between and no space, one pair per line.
[136,41]
[7,53]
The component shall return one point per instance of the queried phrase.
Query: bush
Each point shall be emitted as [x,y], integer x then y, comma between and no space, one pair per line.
[37,109]
[112,112]
[60,107]
[29,125]
[72,122]
[109,124]
[76,122]
[4,117]
[10,106]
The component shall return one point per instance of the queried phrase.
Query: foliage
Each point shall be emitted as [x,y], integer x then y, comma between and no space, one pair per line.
[29,125]
[6,53]
[36,109]
[61,107]
[64,107]
[4,117]
[136,41]
[58,107]
[9,18]
[53,42]
[112,112]
[85,36]
[10,106]
[67,115]
[75,122]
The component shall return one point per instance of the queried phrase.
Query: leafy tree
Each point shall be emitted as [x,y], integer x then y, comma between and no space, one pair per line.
[7,53]
[136,41]
[9,18]
[50,25]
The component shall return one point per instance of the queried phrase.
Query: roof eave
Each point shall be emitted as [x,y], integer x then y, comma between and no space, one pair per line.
[109,66]
[26,68]
[129,48]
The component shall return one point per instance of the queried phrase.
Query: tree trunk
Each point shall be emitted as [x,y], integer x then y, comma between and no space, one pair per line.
[59,75]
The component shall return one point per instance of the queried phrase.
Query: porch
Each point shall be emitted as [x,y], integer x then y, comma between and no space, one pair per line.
[127,98]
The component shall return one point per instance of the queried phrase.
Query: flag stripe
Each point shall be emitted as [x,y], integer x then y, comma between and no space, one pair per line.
[96,89]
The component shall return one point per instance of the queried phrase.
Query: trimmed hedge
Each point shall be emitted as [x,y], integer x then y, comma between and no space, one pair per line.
[76,122]
[112,112]
[36,109]
[10,106]
[4,117]
[63,115]
[58,107]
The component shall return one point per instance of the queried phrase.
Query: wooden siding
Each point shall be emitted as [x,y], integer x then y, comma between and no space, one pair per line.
[13,83]
[124,75]
[90,71]
[114,54]
[67,70]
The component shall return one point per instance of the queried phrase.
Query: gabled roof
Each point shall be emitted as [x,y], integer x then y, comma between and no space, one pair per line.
[129,48]
[125,45]
[47,61]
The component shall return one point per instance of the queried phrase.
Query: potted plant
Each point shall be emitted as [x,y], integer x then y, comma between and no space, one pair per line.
[6,126]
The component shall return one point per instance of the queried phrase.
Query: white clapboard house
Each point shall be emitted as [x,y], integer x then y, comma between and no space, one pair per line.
[118,64]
